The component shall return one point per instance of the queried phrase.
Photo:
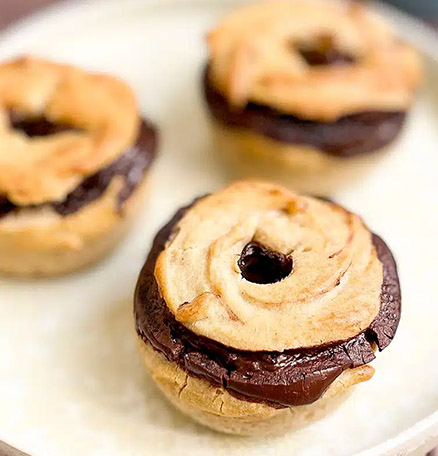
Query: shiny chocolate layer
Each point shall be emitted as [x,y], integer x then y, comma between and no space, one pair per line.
[131,165]
[35,127]
[348,136]
[281,379]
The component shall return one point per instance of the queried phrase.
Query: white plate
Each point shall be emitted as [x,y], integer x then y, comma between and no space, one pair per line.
[71,382]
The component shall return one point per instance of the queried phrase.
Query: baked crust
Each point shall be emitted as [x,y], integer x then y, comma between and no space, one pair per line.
[213,406]
[101,110]
[245,154]
[335,268]
[346,138]
[42,243]
[255,56]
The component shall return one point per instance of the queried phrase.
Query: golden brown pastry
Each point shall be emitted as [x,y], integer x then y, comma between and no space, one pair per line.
[74,154]
[258,309]
[307,89]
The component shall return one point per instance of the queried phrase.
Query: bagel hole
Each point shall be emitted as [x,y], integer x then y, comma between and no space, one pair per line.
[35,126]
[5,206]
[323,51]
[258,264]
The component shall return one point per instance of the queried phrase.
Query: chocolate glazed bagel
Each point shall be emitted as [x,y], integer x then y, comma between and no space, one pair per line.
[307,92]
[131,166]
[74,159]
[261,342]
[346,137]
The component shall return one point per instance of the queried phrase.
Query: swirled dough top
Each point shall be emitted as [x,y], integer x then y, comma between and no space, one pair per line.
[332,293]
[101,110]
[254,56]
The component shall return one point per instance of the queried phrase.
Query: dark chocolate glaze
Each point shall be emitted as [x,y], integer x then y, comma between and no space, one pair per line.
[324,54]
[281,379]
[258,264]
[5,206]
[132,165]
[348,136]
[33,127]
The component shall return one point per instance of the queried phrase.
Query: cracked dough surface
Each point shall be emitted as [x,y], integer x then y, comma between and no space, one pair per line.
[332,293]
[214,407]
[254,57]
[102,108]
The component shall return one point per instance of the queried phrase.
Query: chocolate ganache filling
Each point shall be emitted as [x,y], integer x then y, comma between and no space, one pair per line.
[323,51]
[280,379]
[348,136]
[132,165]
[34,127]
[258,264]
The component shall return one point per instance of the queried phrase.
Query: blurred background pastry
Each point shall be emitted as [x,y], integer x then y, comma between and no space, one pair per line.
[74,159]
[307,92]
